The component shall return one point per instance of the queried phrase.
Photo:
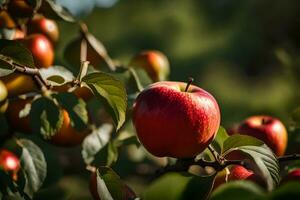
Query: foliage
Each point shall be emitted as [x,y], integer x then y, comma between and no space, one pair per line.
[98,99]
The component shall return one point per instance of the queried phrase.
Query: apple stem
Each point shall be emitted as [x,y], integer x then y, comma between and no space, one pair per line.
[214,153]
[34,72]
[188,84]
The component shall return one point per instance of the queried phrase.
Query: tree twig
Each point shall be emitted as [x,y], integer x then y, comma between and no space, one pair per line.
[288,158]
[102,53]
[214,153]
[27,70]
[184,164]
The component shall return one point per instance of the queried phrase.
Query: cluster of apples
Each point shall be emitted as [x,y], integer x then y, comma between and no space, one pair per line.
[180,120]
[266,128]
[39,35]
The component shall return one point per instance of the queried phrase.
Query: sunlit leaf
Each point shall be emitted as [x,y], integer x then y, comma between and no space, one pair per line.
[112,92]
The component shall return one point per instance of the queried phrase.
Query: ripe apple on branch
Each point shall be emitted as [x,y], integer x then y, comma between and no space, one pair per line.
[49,110]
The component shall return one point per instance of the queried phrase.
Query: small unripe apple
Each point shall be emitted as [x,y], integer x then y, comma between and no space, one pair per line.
[41,49]
[155,63]
[220,178]
[18,83]
[67,136]
[44,26]
[268,129]
[174,120]
[3,97]
[10,163]
[20,8]
[293,175]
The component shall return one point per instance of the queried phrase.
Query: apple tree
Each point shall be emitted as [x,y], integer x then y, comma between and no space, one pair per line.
[87,108]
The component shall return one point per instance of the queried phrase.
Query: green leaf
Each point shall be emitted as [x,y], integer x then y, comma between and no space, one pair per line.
[58,75]
[45,117]
[240,140]
[176,186]
[76,109]
[6,183]
[112,92]
[55,11]
[57,79]
[237,190]
[34,166]
[107,156]
[111,187]
[95,141]
[129,78]
[219,139]
[262,161]
[14,51]
[289,190]
[127,141]
[141,76]
[3,2]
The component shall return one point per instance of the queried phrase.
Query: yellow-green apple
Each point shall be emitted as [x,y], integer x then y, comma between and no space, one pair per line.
[268,129]
[41,49]
[3,97]
[155,63]
[10,163]
[175,119]
[17,83]
[293,175]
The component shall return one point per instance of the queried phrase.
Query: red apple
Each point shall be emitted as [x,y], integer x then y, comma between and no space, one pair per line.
[235,173]
[10,163]
[170,121]
[41,50]
[293,175]
[155,63]
[268,129]
[44,26]
[238,172]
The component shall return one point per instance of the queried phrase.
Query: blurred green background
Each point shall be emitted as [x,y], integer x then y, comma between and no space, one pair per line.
[246,53]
